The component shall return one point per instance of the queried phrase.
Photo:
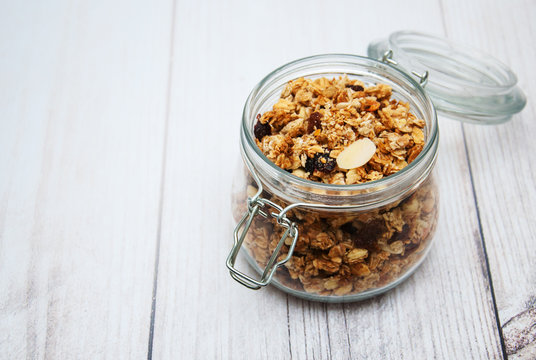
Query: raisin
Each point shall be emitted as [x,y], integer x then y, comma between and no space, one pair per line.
[400,235]
[314,122]
[321,162]
[349,228]
[410,248]
[310,165]
[324,163]
[261,130]
[355,87]
[371,231]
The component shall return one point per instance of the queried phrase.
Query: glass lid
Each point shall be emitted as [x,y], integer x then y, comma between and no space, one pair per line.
[464,84]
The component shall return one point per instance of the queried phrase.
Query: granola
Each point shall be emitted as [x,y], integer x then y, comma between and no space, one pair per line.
[340,131]
[314,121]
[346,253]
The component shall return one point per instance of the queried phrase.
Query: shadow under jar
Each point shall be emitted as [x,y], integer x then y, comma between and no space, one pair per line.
[325,242]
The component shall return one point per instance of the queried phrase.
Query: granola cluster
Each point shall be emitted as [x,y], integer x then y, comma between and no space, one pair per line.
[314,121]
[346,253]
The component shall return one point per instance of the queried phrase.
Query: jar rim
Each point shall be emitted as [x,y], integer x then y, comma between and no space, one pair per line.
[428,151]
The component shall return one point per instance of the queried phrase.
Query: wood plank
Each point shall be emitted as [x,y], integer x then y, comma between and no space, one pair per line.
[501,162]
[444,311]
[83,98]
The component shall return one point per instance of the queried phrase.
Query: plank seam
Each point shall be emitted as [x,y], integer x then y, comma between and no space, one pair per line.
[162,185]
[477,209]
[304,330]
[288,329]
[484,250]
[347,329]
[326,310]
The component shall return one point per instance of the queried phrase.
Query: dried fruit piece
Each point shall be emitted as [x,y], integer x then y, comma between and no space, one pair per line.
[371,231]
[400,235]
[357,154]
[314,122]
[324,163]
[310,165]
[349,228]
[355,87]
[320,162]
[261,130]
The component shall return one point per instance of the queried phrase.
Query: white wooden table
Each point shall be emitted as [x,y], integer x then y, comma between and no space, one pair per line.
[118,144]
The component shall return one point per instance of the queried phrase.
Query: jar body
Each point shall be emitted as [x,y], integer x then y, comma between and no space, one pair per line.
[347,255]
[352,241]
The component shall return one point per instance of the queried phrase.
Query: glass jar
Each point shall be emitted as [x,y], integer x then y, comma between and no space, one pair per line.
[327,242]
[338,243]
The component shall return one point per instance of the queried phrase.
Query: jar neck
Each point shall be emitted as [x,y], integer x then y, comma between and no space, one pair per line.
[293,189]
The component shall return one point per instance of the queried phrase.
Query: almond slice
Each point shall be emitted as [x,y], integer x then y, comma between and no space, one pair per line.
[357,154]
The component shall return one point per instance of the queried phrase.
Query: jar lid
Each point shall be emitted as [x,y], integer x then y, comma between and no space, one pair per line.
[463,84]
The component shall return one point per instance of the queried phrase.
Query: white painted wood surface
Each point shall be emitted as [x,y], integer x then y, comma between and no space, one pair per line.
[118,145]
[82,98]
[503,173]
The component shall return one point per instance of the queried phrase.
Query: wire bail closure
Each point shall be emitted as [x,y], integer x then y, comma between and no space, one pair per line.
[388,59]
[260,206]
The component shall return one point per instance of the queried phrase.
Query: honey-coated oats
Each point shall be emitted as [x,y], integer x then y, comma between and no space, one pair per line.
[315,120]
[311,124]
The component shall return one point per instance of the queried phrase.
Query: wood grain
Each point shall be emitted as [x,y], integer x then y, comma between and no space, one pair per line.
[118,148]
[440,312]
[444,311]
[501,167]
[83,96]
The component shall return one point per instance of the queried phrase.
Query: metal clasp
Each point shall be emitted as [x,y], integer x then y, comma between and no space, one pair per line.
[388,58]
[260,206]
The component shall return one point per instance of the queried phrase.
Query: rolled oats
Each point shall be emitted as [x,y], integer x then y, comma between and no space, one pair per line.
[315,120]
